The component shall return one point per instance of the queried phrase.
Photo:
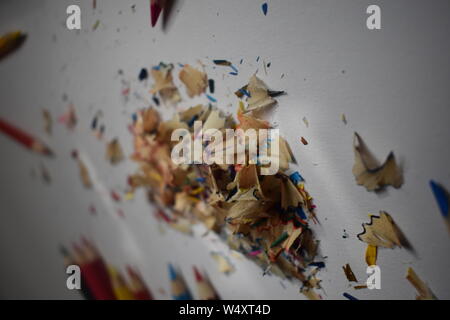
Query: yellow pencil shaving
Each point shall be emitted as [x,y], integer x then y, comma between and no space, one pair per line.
[10,42]
[120,287]
[371,255]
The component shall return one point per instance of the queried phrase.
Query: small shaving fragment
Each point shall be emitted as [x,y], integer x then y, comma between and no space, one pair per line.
[69,118]
[349,296]
[223,265]
[304,141]
[349,273]
[48,122]
[45,175]
[222,63]
[114,153]
[443,200]
[423,291]
[306,122]
[194,80]
[83,171]
[360,287]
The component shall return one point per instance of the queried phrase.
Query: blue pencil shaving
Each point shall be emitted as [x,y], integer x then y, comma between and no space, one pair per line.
[222,62]
[201,180]
[233,73]
[134,117]
[155,100]
[156,68]
[319,265]
[178,294]
[296,178]
[265,8]
[193,119]
[299,211]
[211,85]
[94,123]
[183,296]
[181,65]
[442,198]
[244,92]
[143,74]
[210,98]
[349,296]
[240,62]
[234,68]
[172,272]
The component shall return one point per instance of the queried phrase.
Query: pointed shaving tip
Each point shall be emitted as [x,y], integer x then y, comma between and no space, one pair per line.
[155,12]
[198,275]
[172,272]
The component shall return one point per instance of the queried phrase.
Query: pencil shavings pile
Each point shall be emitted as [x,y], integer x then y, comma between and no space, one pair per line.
[265,217]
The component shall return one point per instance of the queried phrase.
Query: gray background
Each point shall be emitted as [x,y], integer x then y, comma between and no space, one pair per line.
[391,84]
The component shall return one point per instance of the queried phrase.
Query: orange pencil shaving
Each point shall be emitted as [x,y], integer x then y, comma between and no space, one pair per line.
[204,287]
[24,138]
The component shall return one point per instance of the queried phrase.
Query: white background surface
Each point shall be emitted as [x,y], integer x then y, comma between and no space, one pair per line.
[391,84]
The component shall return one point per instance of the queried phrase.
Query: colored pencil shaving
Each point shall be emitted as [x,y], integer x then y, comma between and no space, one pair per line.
[24,138]
[204,287]
[11,42]
[120,287]
[137,286]
[68,261]
[94,269]
[178,287]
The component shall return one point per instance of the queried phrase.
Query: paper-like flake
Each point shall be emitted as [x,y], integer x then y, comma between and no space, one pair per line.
[369,173]
[381,232]
[259,95]
[164,85]
[195,81]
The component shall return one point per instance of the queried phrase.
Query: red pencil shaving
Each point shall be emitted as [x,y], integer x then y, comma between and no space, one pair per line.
[204,287]
[24,138]
[138,287]
[94,270]
[156,6]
